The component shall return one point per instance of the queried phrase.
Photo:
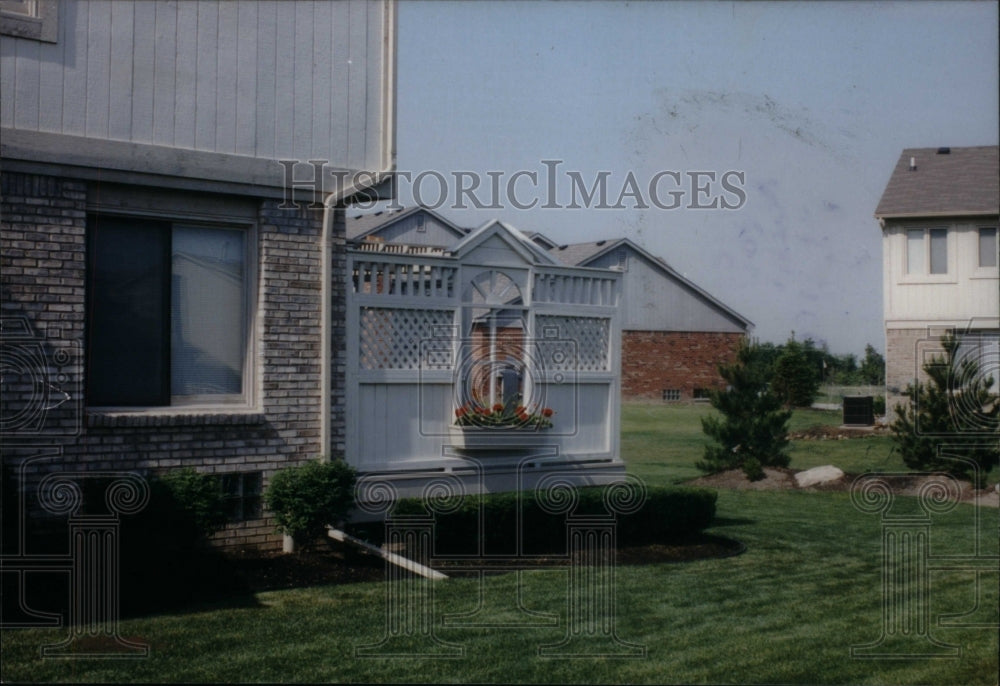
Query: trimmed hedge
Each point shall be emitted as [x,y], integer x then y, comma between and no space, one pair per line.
[667,515]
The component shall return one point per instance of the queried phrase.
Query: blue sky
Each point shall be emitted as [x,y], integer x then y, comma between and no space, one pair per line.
[812,102]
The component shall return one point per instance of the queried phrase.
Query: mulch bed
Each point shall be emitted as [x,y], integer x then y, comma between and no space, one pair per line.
[338,564]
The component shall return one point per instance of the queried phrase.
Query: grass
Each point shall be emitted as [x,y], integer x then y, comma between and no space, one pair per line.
[788,610]
[662,443]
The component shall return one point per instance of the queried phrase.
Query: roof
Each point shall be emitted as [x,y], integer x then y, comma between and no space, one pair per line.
[359,226]
[530,250]
[580,254]
[961,181]
[576,254]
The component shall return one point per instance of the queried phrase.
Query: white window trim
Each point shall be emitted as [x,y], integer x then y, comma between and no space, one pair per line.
[983,272]
[192,405]
[924,276]
[40,23]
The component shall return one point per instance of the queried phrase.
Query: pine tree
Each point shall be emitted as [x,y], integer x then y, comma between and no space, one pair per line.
[752,432]
[951,423]
[796,378]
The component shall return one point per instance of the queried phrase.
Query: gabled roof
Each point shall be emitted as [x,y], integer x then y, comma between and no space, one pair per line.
[528,249]
[583,254]
[961,181]
[541,239]
[363,225]
[578,254]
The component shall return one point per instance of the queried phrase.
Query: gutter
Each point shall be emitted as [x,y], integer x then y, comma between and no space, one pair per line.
[338,199]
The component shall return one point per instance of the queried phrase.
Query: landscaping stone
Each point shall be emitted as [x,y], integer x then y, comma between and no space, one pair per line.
[818,475]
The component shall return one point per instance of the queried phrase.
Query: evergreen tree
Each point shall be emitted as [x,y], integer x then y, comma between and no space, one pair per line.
[796,377]
[873,367]
[752,432]
[953,414]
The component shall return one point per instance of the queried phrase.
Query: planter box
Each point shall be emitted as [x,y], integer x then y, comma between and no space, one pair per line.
[500,439]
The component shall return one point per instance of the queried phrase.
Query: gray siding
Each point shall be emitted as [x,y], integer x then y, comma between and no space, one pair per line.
[653,301]
[406,231]
[265,80]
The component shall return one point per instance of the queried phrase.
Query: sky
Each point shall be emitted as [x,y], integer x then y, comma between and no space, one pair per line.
[808,104]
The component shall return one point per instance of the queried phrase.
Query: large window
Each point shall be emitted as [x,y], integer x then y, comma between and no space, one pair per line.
[988,248]
[167,313]
[927,251]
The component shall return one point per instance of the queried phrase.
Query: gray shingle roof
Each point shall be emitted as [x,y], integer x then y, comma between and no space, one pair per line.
[361,224]
[965,181]
[577,253]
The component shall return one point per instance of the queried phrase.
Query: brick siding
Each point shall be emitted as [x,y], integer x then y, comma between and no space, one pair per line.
[653,361]
[43,264]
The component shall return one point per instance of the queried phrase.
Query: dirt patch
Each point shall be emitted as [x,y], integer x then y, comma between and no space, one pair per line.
[784,479]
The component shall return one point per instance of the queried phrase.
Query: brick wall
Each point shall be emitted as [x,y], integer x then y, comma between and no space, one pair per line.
[684,360]
[43,264]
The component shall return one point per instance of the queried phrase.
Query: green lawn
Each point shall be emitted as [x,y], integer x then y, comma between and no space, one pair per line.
[661,443]
[788,610]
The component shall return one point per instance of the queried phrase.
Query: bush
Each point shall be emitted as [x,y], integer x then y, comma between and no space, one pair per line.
[305,499]
[668,514]
[165,545]
[753,430]
[878,405]
[949,415]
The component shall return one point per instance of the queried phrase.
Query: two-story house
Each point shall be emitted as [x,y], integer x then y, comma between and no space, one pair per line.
[939,220]
[172,296]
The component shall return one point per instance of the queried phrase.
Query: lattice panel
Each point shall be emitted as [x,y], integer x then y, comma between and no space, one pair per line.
[573,343]
[391,338]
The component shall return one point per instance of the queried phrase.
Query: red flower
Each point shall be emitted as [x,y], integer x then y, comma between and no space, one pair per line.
[521,409]
[547,412]
[498,407]
[460,412]
[523,416]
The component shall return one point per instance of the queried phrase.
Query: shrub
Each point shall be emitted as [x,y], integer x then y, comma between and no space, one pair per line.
[753,430]
[878,405]
[306,498]
[668,514]
[949,415]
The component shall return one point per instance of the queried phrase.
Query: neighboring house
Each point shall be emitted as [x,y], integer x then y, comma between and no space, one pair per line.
[179,309]
[674,334]
[416,226]
[939,220]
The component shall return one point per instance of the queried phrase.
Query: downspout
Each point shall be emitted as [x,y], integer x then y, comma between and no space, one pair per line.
[336,199]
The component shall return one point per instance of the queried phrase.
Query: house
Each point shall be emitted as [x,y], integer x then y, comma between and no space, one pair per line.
[172,295]
[490,326]
[674,334]
[939,220]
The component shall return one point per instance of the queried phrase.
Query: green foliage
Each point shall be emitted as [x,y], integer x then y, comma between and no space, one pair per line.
[668,514]
[878,405]
[753,430]
[796,375]
[947,418]
[872,367]
[192,498]
[306,498]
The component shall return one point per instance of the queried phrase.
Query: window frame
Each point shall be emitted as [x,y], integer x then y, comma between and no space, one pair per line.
[978,264]
[247,399]
[40,22]
[923,273]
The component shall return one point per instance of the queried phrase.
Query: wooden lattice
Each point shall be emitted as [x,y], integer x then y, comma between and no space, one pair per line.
[392,338]
[573,343]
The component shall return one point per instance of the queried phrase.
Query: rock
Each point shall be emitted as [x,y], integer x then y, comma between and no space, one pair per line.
[818,475]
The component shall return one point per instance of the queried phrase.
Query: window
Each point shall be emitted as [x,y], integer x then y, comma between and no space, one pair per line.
[988,248]
[702,394]
[927,251]
[34,19]
[671,394]
[167,313]
[241,491]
